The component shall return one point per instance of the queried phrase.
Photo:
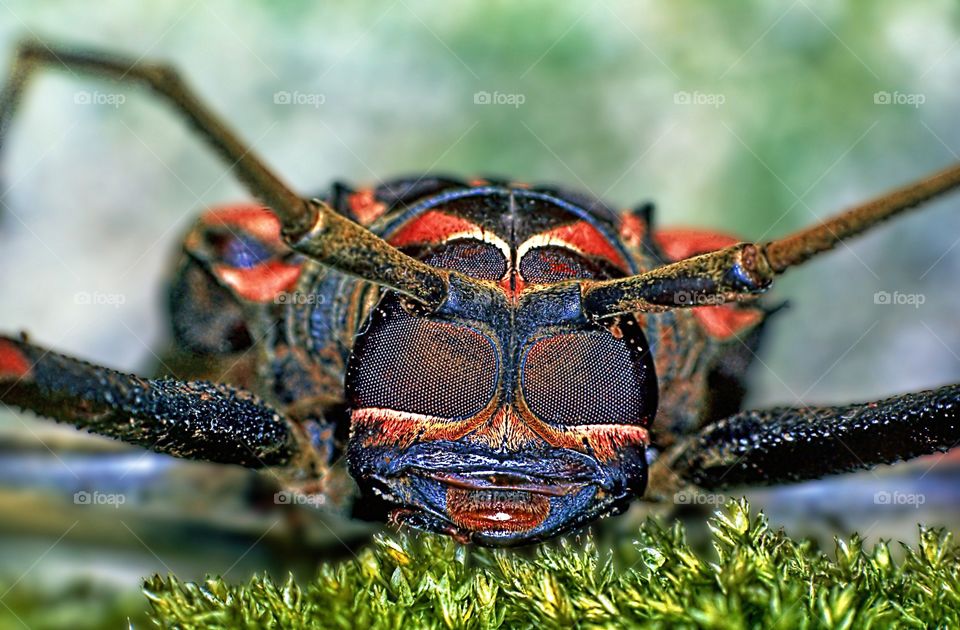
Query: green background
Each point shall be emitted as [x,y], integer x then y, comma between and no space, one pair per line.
[95,197]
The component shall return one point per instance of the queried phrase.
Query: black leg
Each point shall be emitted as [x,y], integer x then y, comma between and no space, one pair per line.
[727,376]
[797,443]
[189,419]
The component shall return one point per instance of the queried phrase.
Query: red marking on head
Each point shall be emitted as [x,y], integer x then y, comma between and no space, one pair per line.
[728,320]
[260,283]
[587,239]
[494,510]
[682,243]
[512,284]
[430,227]
[383,427]
[365,207]
[13,363]
[505,430]
[632,229]
[255,220]
[605,441]
[478,182]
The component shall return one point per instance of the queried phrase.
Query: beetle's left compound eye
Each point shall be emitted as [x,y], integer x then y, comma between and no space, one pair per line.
[421,366]
[591,377]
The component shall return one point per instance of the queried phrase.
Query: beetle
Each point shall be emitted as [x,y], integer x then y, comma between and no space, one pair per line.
[480,358]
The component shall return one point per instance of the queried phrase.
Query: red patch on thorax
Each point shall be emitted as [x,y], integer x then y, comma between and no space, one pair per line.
[728,320]
[632,230]
[255,220]
[587,239]
[430,227]
[13,363]
[365,207]
[683,243]
[260,283]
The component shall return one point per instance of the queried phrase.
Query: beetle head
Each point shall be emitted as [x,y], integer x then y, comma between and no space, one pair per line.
[496,421]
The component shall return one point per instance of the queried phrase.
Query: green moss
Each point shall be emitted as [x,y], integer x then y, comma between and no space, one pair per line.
[757,577]
[79,605]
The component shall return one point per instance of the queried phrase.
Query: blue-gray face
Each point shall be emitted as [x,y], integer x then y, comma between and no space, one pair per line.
[505,417]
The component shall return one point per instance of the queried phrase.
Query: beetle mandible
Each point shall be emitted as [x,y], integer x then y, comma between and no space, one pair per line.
[484,359]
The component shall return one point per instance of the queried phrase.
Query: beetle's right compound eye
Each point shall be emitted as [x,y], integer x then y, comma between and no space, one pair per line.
[591,377]
[423,366]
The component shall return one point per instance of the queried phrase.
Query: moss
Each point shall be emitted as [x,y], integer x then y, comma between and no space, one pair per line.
[757,577]
[79,605]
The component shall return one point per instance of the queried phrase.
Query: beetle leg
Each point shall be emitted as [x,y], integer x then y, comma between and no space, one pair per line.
[788,444]
[189,419]
[742,271]
[310,227]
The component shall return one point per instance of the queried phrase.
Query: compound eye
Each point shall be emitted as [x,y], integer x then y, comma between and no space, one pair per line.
[552,264]
[471,257]
[591,377]
[419,365]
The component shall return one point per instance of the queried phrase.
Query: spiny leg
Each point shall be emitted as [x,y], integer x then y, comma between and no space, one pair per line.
[309,226]
[787,444]
[188,419]
[742,271]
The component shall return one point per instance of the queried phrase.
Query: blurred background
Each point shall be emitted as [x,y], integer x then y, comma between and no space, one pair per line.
[753,118]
